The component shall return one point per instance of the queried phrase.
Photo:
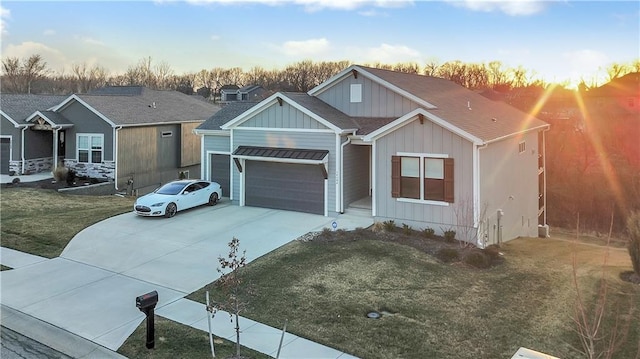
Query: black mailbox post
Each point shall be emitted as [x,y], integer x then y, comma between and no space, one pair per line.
[146,303]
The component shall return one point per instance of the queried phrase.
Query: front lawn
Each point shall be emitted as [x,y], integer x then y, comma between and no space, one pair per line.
[42,222]
[430,309]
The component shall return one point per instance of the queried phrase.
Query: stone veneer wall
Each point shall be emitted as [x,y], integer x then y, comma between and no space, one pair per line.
[104,170]
[34,165]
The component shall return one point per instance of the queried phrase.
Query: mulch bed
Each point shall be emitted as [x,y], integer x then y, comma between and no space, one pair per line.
[50,184]
[446,251]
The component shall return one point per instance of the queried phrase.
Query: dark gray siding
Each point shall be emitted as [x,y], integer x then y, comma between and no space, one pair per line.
[356,173]
[377,101]
[39,144]
[5,151]
[423,138]
[85,121]
[7,128]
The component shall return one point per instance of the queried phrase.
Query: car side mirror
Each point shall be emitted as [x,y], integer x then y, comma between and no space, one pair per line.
[185,192]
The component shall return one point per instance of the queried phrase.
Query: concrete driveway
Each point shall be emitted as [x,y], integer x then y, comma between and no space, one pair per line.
[90,289]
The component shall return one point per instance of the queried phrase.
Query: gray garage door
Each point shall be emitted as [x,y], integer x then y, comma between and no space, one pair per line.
[293,187]
[5,152]
[220,172]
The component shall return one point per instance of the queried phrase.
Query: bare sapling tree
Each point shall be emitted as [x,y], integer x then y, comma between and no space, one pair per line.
[465,218]
[231,282]
[600,336]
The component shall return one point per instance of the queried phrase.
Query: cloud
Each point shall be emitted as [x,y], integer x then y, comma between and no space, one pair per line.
[305,48]
[509,7]
[215,37]
[49,32]
[311,5]
[55,59]
[5,14]
[88,40]
[386,53]
[585,63]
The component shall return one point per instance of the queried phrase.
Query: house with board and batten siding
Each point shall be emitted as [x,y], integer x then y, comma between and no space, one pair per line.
[418,150]
[134,136]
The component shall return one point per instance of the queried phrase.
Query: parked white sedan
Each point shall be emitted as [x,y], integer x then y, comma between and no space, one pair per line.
[177,196]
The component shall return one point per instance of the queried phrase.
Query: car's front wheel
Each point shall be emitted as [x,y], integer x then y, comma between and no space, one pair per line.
[171,210]
[213,199]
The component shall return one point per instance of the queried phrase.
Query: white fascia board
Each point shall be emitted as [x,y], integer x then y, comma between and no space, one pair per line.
[15,124]
[541,127]
[212,132]
[78,99]
[347,72]
[412,116]
[40,114]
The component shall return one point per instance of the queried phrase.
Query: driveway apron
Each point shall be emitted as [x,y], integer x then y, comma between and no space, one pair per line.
[90,289]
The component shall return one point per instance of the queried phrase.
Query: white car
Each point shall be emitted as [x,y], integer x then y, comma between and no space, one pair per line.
[177,196]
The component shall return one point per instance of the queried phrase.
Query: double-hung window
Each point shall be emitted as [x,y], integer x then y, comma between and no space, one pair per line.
[422,177]
[90,148]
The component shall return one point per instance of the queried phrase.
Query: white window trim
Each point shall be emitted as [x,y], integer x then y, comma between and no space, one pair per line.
[422,156]
[101,135]
[524,146]
[166,134]
[355,93]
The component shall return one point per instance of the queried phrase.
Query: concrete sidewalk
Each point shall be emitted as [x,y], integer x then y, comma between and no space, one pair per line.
[90,289]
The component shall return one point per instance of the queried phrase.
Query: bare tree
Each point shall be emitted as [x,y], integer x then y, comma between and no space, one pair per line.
[88,78]
[616,70]
[22,73]
[162,73]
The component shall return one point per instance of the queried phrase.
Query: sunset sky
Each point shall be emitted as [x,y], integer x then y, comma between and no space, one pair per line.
[557,41]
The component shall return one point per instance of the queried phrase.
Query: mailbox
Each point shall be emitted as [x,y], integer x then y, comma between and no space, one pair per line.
[148,300]
[146,303]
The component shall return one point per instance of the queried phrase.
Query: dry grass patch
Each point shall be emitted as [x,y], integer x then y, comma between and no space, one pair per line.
[42,222]
[430,308]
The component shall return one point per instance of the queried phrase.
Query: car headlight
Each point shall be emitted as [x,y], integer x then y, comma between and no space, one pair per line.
[157,204]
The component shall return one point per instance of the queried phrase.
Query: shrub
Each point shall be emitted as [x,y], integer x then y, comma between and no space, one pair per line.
[477,259]
[389,225]
[448,254]
[450,235]
[406,229]
[633,227]
[378,227]
[429,232]
[60,173]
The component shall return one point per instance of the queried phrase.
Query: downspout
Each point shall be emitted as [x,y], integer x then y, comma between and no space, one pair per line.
[344,144]
[115,155]
[544,172]
[56,133]
[22,158]
[480,238]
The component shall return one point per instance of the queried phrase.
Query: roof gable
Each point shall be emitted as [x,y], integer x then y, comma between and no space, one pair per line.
[465,110]
[18,107]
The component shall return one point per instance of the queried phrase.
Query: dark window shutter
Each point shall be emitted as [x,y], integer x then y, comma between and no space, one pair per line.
[448,180]
[395,176]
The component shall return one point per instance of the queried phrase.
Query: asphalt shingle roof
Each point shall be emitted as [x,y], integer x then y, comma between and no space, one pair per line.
[140,106]
[463,108]
[21,106]
[227,113]
[56,118]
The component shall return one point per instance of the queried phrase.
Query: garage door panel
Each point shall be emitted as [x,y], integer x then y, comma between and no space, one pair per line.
[220,172]
[287,186]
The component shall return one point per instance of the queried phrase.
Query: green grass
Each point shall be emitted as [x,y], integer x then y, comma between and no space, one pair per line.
[174,340]
[432,309]
[42,222]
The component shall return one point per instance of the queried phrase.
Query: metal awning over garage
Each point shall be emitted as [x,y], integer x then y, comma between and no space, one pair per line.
[293,154]
[284,155]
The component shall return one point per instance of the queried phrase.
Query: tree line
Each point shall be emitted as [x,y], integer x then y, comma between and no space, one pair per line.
[31,75]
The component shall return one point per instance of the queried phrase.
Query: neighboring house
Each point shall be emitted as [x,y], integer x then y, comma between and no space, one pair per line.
[132,135]
[229,93]
[250,93]
[417,150]
[14,131]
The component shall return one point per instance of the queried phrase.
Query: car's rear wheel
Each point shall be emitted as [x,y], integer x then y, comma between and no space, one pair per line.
[213,199]
[171,210]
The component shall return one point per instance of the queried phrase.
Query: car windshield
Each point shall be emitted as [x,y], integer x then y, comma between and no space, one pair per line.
[171,188]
